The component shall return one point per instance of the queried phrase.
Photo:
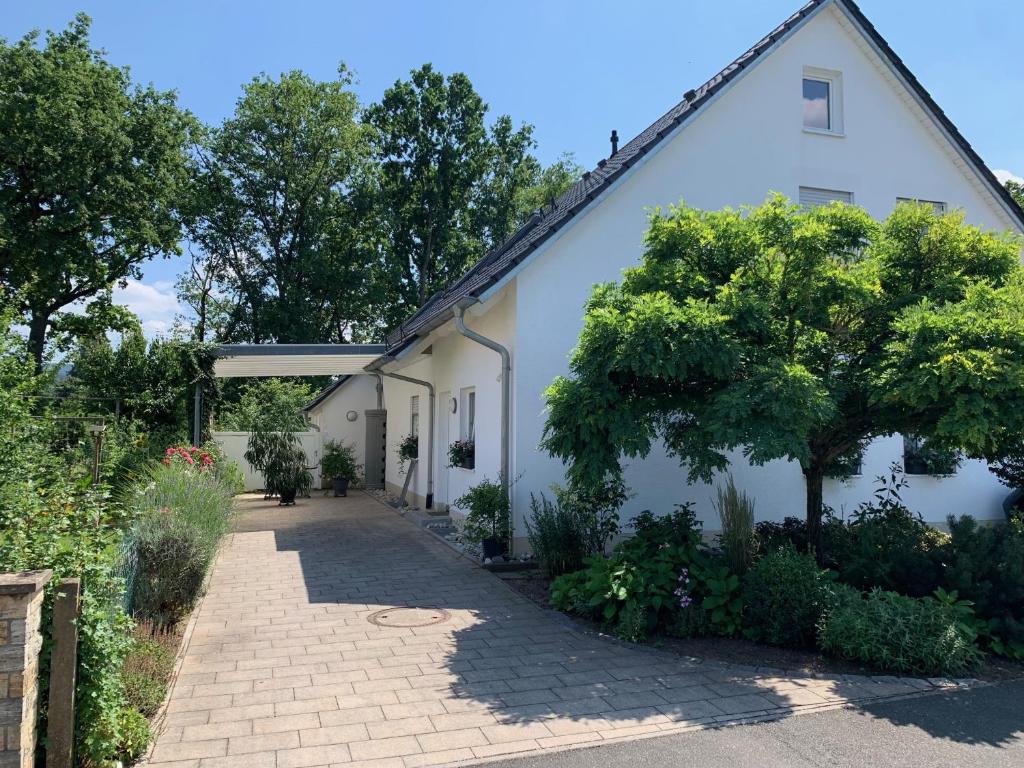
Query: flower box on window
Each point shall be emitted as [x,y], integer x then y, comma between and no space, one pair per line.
[462,453]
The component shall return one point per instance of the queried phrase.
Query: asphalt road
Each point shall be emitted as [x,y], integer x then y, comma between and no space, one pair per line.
[978,727]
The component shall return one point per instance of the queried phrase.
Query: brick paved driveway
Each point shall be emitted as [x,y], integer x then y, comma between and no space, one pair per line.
[284,669]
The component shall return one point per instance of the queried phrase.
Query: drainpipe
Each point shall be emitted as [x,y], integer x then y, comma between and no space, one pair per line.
[506,400]
[430,428]
[380,392]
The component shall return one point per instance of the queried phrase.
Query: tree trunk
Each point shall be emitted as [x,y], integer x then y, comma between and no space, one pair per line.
[814,477]
[38,320]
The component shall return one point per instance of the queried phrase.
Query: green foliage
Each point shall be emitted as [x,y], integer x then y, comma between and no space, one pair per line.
[146,671]
[557,536]
[886,545]
[279,456]
[181,516]
[736,513]
[268,405]
[445,188]
[784,596]
[796,333]
[275,214]
[649,580]
[487,510]
[135,735]
[340,461]
[907,635]
[985,564]
[577,524]
[408,449]
[724,600]
[92,170]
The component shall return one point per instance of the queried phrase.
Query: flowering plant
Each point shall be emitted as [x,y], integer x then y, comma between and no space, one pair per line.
[462,453]
[190,458]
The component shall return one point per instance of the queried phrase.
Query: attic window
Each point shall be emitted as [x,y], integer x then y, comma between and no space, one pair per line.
[822,101]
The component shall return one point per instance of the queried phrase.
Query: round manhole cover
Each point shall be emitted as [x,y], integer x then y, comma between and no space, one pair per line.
[408,617]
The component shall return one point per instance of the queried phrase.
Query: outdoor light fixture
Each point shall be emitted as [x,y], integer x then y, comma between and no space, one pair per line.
[453,405]
[352,415]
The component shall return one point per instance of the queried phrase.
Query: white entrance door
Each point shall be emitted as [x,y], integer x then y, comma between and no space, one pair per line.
[441,450]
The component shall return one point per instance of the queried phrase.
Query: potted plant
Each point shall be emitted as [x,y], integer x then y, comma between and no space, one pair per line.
[339,464]
[487,509]
[279,456]
[408,449]
[462,453]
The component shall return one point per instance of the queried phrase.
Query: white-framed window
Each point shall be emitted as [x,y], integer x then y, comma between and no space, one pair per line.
[812,197]
[937,205]
[467,406]
[414,415]
[823,101]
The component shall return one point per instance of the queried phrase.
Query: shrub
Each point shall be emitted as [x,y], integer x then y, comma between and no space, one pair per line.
[659,580]
[173,559]
[985,564]
[487,511]
[784,596]
[340,461]
[557,536]
[279,456]
[145,672]
[916,636]
[791,532]
[885,545]
[597,505]
[736,513]
[135,735]
[181,518]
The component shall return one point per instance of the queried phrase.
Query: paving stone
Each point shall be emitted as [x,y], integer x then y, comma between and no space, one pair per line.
[284,670]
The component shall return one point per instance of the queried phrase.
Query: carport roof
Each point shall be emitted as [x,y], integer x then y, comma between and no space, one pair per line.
[245,360]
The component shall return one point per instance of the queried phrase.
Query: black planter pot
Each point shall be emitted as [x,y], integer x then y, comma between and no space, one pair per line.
[341,486]
[469,463]
[287,497]
[493,548]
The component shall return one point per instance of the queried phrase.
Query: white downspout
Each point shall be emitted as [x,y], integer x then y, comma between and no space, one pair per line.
[430,431]
[506,403]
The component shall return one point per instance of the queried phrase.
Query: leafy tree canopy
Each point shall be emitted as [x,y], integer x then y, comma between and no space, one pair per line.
[796,333]
[267,405]
[446,187]
[91,174]
[275,215]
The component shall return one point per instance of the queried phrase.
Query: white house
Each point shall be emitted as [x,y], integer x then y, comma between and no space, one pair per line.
[819,109]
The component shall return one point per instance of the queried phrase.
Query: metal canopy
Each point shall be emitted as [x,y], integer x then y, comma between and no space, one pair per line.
[245,360]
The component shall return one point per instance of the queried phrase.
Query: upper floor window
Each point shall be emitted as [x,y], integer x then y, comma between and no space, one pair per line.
[937,205]
[822,101]
[811,197]
[414,415]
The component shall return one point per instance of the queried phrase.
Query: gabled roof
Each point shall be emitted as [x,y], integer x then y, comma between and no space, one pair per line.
[547,221]
[326,392]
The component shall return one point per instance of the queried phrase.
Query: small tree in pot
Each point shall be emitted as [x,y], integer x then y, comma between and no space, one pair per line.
[339,464]
[487,517]
[279,456]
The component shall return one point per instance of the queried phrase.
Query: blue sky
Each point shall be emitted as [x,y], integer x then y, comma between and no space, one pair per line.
[573,69]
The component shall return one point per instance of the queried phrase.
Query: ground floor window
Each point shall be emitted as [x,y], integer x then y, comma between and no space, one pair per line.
[921,459]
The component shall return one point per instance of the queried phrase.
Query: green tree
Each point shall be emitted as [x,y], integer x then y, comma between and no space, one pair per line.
[276,212]
[267,405]
[447,188]
[800,334]
[1016,190]
[91,172]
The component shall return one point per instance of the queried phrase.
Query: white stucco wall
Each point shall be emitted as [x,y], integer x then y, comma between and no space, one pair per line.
[747,143]
[359,394]
[454,364]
